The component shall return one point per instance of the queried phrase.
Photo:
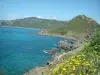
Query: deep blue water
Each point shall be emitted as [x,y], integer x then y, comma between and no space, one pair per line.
[21,51]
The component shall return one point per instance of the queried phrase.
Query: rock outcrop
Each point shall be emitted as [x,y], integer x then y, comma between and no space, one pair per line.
[66,45]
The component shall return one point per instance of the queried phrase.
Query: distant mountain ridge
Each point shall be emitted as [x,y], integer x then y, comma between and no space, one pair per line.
[33,22]
[79,24]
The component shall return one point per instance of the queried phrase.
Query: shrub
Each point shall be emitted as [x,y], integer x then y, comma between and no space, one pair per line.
[87,62]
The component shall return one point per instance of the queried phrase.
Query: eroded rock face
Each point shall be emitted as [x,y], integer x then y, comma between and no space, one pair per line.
[66,45]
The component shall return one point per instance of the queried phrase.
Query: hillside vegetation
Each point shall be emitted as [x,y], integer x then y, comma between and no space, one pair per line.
[33,22]
[79,24]
[86,62]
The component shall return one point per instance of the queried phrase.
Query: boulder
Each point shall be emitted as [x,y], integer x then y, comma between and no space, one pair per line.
[52,51]
[65,45]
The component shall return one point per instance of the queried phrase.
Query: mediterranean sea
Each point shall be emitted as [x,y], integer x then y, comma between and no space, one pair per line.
[21,50]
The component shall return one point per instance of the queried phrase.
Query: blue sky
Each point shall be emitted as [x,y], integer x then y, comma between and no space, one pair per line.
[59,9]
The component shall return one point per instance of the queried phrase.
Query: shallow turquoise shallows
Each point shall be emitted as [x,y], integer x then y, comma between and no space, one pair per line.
[21,50]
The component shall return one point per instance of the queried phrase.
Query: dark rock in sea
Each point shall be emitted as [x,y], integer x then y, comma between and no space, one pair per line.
[52,51]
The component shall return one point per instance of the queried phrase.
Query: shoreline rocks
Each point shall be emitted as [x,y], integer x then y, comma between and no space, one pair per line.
[57,57]
[66,45]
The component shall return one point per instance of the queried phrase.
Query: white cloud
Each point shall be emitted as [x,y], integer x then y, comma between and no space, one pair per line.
[39,17]
[98,22]
[53,17]
[12,16]
[46,17]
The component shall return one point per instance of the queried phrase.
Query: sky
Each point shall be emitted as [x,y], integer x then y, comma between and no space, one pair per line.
[56,9]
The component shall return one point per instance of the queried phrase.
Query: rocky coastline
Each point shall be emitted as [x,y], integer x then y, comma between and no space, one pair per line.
[57,57]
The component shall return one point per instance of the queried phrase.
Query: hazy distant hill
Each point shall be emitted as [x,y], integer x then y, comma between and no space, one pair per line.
[78,24]
[33,22]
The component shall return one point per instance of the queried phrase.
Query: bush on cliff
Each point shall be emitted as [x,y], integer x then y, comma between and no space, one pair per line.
[86,62]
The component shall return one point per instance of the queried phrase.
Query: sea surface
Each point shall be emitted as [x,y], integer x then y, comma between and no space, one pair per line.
[21,50]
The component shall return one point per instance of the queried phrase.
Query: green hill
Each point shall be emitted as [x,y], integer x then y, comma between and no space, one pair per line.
[33,22]
[79,24]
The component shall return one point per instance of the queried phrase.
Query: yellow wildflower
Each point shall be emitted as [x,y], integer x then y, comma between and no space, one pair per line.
[67,61]
[94,70]
[70,63]
[73,67]
[80,74]
[78,56]
[83,55]
[88,64]
[60,74]
[72,74]
[56,69]
[73,57]
[64,69]
[77,62]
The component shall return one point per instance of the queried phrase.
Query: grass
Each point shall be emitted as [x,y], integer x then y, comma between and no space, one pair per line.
[58,30]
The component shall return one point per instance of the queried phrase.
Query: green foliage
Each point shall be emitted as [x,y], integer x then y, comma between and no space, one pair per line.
[96,39]
[86,62]
[60,31]
[63,32]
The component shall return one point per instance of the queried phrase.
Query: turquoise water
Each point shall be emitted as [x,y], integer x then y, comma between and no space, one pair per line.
[21,51]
